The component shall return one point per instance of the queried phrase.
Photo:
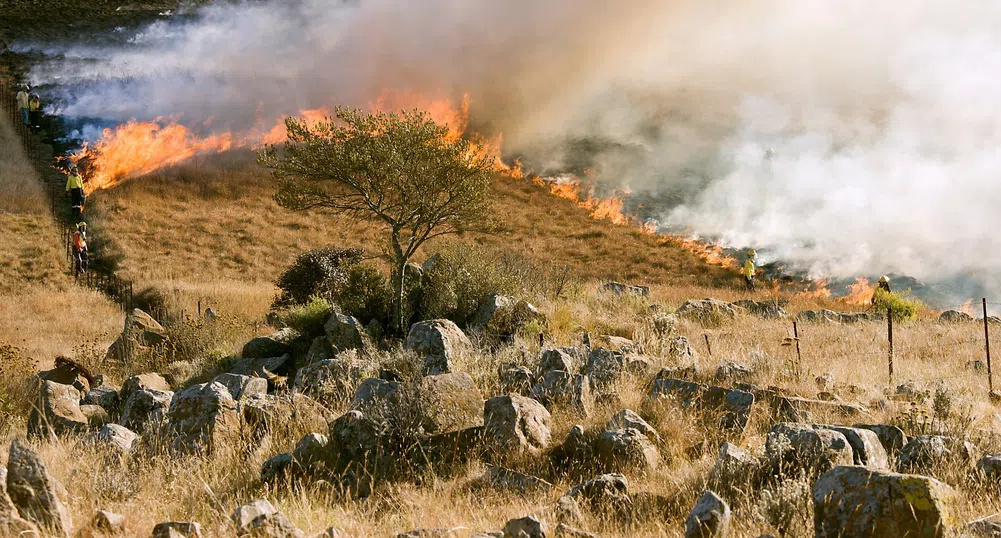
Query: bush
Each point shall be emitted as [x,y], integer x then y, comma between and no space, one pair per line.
[308,319]
[366,295]
[900,306]
[319,272]
[460,277]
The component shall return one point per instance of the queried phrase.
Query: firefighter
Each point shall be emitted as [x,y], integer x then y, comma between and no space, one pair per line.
[35,111]
[22,103]
[884,285]
[748,269]
[80,248]
[74,188]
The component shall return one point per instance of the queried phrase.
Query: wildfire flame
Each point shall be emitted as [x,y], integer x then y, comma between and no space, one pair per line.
[710,253]
[967,308]
[860,293]
[570,188]
[815,290]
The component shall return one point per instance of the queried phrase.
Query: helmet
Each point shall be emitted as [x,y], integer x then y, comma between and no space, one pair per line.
[884,279]
[769,153]
[73,168]
[751,253]
[81,226]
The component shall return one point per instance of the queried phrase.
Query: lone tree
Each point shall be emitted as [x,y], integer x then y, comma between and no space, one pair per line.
[401,169]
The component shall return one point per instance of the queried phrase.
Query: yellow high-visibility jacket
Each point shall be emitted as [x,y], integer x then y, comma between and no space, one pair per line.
[75,181]
[34,105]
[22,99]
[748,270]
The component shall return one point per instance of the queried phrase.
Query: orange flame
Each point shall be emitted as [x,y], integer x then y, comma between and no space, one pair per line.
[710,253]
[860,293]
[569,187]
[815,290]
[967,308]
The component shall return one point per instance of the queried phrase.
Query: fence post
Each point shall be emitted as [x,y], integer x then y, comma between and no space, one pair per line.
[799,355]
[987,346]
[200,315]
[889,337]
[709,347]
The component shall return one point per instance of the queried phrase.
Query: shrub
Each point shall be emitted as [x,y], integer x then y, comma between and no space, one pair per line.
[365,294]
[308,319]
[459,278]
[901,306]
[319,272]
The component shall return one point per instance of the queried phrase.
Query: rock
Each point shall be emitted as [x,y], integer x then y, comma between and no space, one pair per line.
[68,372]
[606,494]
[506,479]
[604,367]
[273,412]
[11,522]
[621,345]
[117,437]
[178,372]
[793,406]
[275,344]
[319,350]
[177,529]
[925,452]
[105,396]
[274,369]
[562,390]
[345,333]
[501,315]
[355,439]
[204,418]
[762,309]
[35,492]
[97,416]
[867,450]
[515,424]
[859,502]
[242,386]
[575,454]
[626,449]
[439,341]
[330,381]
[981,529]
[148,331]
[555,359]
[566,531]
[800,447]
[733,407]
[625,289]
[710,518]
[56,410]
[734,465]
[990,467]
[452,402]
[707,311]
[517,380]
[139,382]
[311,448]
[629,419]
[375,393]
[681,352]
[567,510]
[526,527]
[260,519]
[733,371]
[954,316]
[911,392]
[892,438]
[447,451]
[109,522]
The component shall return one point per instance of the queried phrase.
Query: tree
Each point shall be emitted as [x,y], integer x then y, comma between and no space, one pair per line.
[400,169]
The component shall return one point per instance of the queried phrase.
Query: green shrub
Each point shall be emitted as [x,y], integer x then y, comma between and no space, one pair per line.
[460,277]
[308,319]
[319,272]
[901,306]
[366,294]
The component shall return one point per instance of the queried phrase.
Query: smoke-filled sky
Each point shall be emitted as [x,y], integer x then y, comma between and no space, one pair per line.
[885,116]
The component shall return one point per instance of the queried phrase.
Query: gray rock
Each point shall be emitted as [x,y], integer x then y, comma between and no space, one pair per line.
[319,350]
[707,311]
[505,479]
[563,390]
[555,359]
[517,380]
[109,522]
[515,425]
[11,522]
[734,465]
[627,449]
[177,529]
[629,419]
[271,412]
[275,344]
[356,439]
[140,382]
[619,288]
[145,408]
[330,381]
[925,452]
[733,371]
[452,402]
[566,531]
[261,520]
[955,316]
[97,416]
[345,333]
[867,450]
[105,396]
[604,367]
[800,447]
[438,341]
[575,453]
[277,468]
[376,393]
[526,527]
[710,518]
[859,502]
[274,369]
[990,467]
[793,405]
[605,491]
[892,438]
[147,330]
[242,386]
[732,407]
[311,448]
[204,418]
[500,315]
[119,438]
[766,310]
[56,410]
[567,510]
[35,492]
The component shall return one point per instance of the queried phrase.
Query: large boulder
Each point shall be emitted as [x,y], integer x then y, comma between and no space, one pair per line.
[955,316]
[345,333]
[141,331]
[177,529]
[867,450]
[794,406]
[516,379]
[733,466]
[438,341]
[555,359]
[563,390]
[275,344]
[526,527]
[604,367]
[604,494]
[451,402]
[272,412]
[68,372]
[925,452]
[378,394]
[35,492]
[575,454]
[204,418]
[56,409]
[11,522]
[707,311]
[626,449]
[799,447]
[710,518]
[501,315]
[139,382]
[145,408]
[892,438]
[260,519]
[990,467]
[730,408]
[242,386]
[330,381]
[105,396]
[118,438]
[856,502]
[627,418]
[515,425]
[501,478]
[354,438]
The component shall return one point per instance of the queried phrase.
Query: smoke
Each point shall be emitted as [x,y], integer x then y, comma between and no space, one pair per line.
[885,117]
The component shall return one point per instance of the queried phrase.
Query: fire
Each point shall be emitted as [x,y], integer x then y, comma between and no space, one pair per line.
[710,253]
[815,290]
[967,308]
[860,293]
[569,187]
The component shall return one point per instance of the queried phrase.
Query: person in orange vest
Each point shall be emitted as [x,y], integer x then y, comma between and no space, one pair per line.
[80,248]
[74,188]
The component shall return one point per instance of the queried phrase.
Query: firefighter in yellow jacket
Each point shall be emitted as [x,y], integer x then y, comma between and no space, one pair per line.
[748,269]
[74,188]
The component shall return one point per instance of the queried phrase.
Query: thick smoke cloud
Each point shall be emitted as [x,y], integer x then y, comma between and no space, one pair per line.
[885,117]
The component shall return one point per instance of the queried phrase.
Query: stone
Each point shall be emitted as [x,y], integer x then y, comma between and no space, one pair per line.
[139,382]
[147,330]
[734,465]
[526,527]
[68,372]
[177,529]
[330,381]
[517,380]
[275,344]
[438,341]
[731,407]
[567,510]
[35,492]
[273,412]
[575,453]
[563,390]
[681,351]
[11,522]
[515,424]
[502,316]
[319,350]
[447,451]
[733,371]
[793,406]
[892,438]
[376,393]
[452,402]
[867,450]
[857,502]
[707,311]
[109,522]
[353,438]
[345,333]
[955,316]
[566,531]
[604,367]
[990,467]
[604,494]
[242,386]
[619,288]
[260,519]
[311,448]
[924,452]
[97,416]
[710,518]
[555,359]
[627,418]
[105,396]
[274,369]
[765,310]
[119,438]
[505,479]
[626,449]
[622,345]
[56,410]
[204,418]
[800,447]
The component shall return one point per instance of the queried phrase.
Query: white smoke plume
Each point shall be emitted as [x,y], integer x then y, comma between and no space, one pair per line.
[885,116]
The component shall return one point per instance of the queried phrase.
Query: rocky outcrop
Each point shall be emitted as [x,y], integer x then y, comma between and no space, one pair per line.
[710,518]
[204,418]
[35,492]
[500,315]
[892,438]
[275,344]
[57,410]
[619,288]
[514,425]
[141,332]
[177,529]
[139,382]
[627,418]
[954,316]
[867,450]
[925,452]
[438,341]
[794,448]
[242,386]
[118,438]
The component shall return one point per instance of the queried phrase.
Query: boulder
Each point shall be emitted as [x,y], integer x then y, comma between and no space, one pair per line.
[990,467]
[710,518]
[311,448]
[732,408]
[275,344]
[501,315]
[177,529]
[139,382]
[501,478]
[792,406]
[57,410]
[260,519]
[766,310]
[517,380]
[626,449]
[575,453]
[97,416]
[604,367]
[273,412]
[892,438]
[35,492]
[567,510]
[563,390]
[566,531]
[11,522]
[867,450]
[605,494]
[353,438]
[145,408]
[375,393]
[274,369]
[858,502]
[707,311]
[438,341]
[526,527]
[146,330]
[733,371]
[319,350]
[109,522]
[515,424]
[68,372]
[242,386]
[452,402]
[105,396]
[330,381]
[619,288]
[629,419]
[734,465]
[345,333]
[800,447]
[555,359]
[925,452]
[954,316]
[204,418]
[118,438]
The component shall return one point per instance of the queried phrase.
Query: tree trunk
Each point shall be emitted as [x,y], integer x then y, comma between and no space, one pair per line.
[401,268]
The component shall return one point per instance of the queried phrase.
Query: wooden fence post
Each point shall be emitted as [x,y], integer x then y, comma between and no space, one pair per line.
[709,347]
[987,346]
[889,337]
[799,355]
